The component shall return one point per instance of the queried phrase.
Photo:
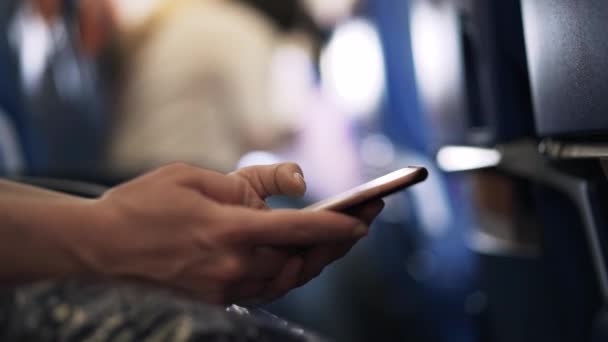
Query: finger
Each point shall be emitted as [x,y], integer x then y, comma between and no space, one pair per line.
[315,260]
[286,280]
[320,257]
[219,187]
[291,227]
[278,179]
[249,291]
[266,262]
[367,212]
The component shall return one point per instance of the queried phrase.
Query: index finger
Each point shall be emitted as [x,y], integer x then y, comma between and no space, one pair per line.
[293,227]
[367,211]
[277,179]
[213,184]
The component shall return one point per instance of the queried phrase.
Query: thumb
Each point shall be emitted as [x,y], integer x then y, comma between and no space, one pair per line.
[278,179]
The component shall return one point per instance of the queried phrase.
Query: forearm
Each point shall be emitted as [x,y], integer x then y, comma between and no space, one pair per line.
[37,233]
[9,188]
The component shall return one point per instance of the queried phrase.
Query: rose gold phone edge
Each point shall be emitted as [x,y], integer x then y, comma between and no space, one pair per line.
[398,180]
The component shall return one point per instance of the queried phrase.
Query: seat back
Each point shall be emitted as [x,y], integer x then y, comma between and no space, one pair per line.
[567,47]
[471,70]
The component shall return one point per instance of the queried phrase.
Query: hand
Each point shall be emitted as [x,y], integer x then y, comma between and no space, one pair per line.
[287,179]
[196,230]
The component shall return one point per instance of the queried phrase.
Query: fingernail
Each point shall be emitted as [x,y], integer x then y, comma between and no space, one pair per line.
[298,176]
[360,231]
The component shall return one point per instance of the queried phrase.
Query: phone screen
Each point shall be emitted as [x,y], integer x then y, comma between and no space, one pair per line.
[375,189]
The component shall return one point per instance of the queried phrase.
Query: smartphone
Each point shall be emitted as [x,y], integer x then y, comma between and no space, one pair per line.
[375,189]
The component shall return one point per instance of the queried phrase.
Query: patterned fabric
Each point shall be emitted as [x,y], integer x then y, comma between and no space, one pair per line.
[73,311]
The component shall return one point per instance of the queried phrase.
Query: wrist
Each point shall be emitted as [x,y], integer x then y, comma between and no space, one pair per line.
[39,238]
[88,239]
[69,231]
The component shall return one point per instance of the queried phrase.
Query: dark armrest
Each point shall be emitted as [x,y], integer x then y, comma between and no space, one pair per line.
[77,188]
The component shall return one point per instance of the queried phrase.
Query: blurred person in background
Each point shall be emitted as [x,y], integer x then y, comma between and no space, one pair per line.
[59,100]
[196,84]
[110,88]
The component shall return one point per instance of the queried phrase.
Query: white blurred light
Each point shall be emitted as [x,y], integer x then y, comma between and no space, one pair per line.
[258,158]
[436,49]
[352,68]
[34,44]
[328,13]
[377,151]
[134,12]
[462,158]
